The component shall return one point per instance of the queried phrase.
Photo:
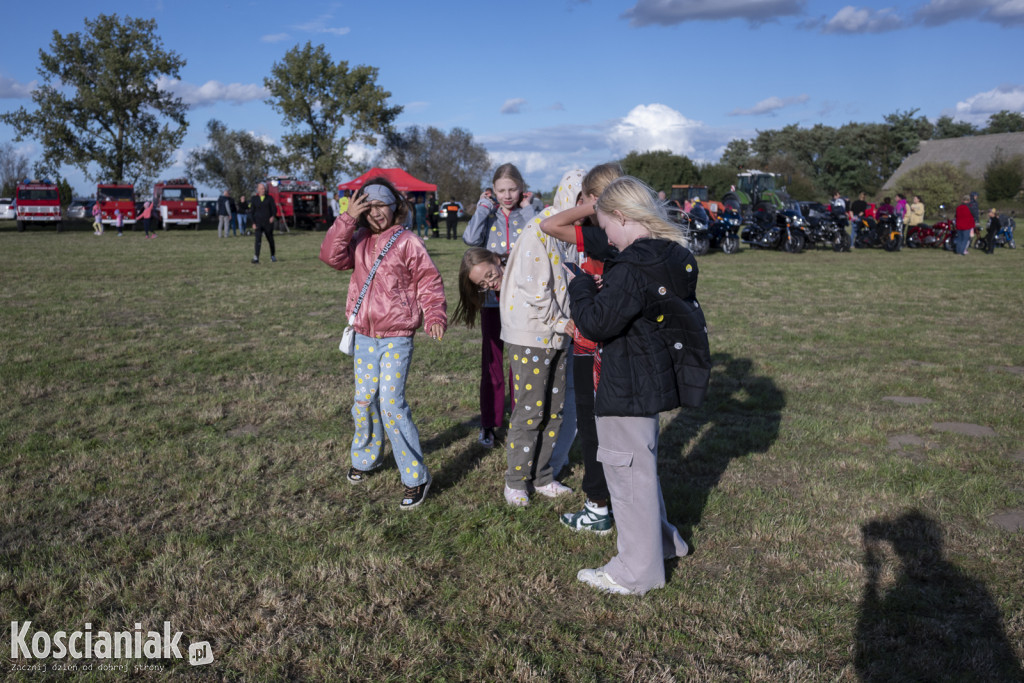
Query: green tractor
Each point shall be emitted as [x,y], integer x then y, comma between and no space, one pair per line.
[756,191]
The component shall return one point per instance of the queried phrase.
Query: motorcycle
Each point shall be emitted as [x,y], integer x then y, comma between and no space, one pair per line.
[939,235]
[695,233]
[722,233]
[775,230]
[1003,238]
[887,232]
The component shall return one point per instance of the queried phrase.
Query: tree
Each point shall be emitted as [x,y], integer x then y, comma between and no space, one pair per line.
[936,183]
[13,169]
[452,160]
[99,106]
[1003,177]
[737,154]
[945,127]
[232,159]
[327,107]
[65,192]
[718,177]
[661,169]
[1005,121]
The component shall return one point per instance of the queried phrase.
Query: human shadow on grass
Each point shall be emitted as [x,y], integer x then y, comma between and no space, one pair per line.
[934,622]
[741,415]
[455,468]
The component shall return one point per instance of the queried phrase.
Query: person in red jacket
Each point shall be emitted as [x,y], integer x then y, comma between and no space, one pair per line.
[404,292]
[964,221]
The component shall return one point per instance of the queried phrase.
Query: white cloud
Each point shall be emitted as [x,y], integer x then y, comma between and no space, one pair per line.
[770,105]
[513,106]
[977,108]
[275,37]
[212,92]
[672,12]
[11,89]
[1002,12]
[416,106]
[650,127]
[863,20]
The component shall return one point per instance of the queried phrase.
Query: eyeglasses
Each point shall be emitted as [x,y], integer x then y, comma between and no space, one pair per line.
[489,281]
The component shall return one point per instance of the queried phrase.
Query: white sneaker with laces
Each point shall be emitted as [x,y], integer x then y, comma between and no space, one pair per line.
[554,489]
[600,580]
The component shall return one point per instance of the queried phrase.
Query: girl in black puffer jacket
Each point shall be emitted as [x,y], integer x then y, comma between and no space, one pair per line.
[654,357]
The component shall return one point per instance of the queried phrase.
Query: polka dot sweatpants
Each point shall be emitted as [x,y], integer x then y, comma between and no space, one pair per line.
[539,382]
[381,367]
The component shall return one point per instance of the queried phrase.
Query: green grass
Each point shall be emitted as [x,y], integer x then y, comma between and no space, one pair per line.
[173,446]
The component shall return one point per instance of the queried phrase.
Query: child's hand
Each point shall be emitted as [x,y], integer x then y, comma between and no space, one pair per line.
[357,206]
[527,196]
[436,331]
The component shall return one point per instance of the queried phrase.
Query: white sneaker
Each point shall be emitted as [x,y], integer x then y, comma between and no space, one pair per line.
[554,489]
[601,581]
[516,498]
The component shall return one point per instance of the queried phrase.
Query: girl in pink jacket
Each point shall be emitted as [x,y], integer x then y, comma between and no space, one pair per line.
[406,292]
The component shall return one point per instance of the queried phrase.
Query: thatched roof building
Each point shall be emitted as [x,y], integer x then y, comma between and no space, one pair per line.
[974,152]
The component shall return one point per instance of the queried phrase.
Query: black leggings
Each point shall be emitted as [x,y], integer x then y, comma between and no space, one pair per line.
[260,231]
[594,484]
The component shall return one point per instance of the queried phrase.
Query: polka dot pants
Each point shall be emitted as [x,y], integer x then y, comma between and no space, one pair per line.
[381,367]
[539,382]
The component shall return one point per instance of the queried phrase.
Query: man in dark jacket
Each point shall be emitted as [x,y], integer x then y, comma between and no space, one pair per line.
[225,207]
[264,212]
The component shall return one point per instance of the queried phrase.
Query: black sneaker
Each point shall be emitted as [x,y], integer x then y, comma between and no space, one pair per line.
[255,261]
[414,495]
[355,476]
[273,259]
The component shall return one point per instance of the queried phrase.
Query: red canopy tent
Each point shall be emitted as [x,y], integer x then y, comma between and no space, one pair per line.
[399,178]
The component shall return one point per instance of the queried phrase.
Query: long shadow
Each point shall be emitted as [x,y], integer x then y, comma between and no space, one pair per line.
[456,468]
[741,415]
[935,622]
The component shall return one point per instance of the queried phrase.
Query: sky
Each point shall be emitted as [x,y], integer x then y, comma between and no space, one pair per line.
[561,84]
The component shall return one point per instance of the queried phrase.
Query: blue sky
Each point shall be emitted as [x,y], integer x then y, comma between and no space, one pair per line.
[556,85]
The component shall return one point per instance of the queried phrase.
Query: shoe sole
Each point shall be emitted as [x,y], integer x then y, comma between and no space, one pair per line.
[426,489]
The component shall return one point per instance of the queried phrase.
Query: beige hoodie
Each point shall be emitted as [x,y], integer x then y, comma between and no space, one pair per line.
[534,292]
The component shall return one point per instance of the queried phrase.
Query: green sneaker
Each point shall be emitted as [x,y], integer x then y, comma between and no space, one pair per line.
[588,520]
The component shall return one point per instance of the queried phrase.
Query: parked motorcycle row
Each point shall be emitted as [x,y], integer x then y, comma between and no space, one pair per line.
[788,230]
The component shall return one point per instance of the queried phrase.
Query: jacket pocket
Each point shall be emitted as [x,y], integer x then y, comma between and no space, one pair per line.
[618,472]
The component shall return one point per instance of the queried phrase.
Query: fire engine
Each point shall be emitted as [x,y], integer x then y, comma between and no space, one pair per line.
[37,201]
[113,196]
[175,203]
[299,202]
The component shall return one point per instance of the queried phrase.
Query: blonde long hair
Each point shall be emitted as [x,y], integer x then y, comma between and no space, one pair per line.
[637,201]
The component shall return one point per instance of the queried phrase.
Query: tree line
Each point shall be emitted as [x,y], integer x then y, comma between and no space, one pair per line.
[99,110]
[856,157]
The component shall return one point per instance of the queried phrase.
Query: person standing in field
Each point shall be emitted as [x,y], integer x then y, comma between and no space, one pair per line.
[147,215]
[499,219]
[451,219]
[241,214]
[654,357]
[264,213]
[119,221]
[403,292]
[963,219]
[432,220]
[97,218]
[225,207]
[578,227]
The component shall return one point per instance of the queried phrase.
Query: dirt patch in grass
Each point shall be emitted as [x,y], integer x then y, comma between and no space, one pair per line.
[965,428]
[1011,520]
[1012,369]
[244,430]
[1018,456]
[909,446]
[908,400]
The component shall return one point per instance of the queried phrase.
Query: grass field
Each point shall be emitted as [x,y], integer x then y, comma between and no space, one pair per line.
[173,446]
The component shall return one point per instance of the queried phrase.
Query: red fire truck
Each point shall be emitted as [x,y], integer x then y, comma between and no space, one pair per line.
[113,196]
[37,201]
[299,202]
[175,203]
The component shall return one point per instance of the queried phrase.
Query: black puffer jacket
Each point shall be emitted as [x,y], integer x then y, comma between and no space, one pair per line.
[655,344]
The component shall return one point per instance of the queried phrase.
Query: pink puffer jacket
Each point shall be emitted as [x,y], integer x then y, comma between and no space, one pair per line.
[407,290]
